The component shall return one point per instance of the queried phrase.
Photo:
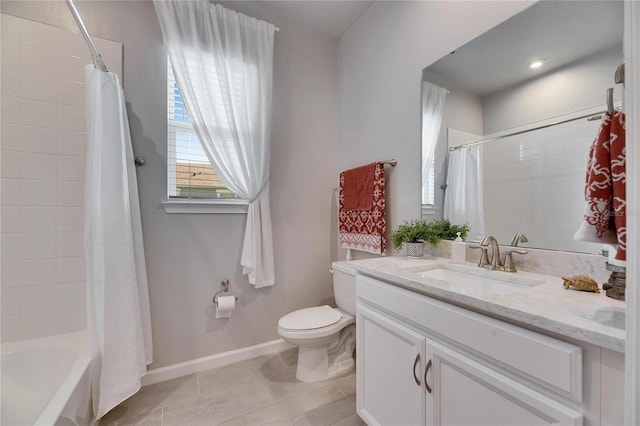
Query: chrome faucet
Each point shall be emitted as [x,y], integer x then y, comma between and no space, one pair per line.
[494,260]
[519,238]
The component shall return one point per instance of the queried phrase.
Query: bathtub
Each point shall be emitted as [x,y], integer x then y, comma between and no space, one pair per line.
[46,381]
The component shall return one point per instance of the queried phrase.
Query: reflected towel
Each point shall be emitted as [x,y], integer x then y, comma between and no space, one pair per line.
[362,217]
[605,188]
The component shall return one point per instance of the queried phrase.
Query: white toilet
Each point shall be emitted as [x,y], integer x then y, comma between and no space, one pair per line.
[325,335]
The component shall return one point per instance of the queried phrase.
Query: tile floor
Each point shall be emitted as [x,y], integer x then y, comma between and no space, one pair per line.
[259,391]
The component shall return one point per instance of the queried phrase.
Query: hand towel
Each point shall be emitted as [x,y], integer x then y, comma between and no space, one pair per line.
[361,211]
[605,187]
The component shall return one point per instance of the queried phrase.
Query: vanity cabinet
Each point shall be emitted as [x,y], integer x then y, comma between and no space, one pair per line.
[424,361]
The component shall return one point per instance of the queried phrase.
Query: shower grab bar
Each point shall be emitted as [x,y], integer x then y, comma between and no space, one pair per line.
[97,59]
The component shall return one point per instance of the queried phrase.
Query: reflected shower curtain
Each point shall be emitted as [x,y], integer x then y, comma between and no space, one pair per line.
[119,321]
[463,201]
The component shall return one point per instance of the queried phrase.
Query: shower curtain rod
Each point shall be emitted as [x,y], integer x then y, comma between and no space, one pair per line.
[526,131]
[97,59]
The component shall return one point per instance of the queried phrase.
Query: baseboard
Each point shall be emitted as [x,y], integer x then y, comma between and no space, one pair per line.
[180,369]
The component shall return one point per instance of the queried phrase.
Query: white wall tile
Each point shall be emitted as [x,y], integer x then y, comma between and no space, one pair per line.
[10,109]
[40,35]
[71,295]
[10,55]
[10,273]
[39,139]
[10,219]
[37,219]
[11,137]
[10,164]
[73,44]
[71,93]
[70,244]
[38,61]
[70,219]
[70,194]
[10,192]
[70,269]
[72,143]
[38,166]
[37,324]
[71,118]
[37,271]
[39,87]
[71,168]
[37,298]
[11,84]
[71,67]
[11,329]
[70,320]
[38,113]
[11,246]
[37,192]
[37,245]
[10,301]
[10,28]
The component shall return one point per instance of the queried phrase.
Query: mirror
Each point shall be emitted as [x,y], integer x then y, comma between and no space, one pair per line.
[531,182]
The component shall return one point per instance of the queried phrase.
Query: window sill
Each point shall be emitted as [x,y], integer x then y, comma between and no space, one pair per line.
[428,210]
[205,206]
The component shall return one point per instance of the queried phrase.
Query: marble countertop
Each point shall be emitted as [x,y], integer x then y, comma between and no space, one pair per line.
[585,316]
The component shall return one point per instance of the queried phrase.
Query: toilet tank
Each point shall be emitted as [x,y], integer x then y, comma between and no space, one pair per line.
[344,286]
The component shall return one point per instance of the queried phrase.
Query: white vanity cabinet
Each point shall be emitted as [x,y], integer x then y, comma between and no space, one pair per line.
[424,361]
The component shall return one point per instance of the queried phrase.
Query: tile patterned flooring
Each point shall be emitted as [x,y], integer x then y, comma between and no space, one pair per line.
[259,391]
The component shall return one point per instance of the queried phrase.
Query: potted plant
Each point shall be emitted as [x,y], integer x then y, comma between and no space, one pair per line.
[413,234]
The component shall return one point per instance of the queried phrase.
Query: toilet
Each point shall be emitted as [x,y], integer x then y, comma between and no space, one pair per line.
[325,336]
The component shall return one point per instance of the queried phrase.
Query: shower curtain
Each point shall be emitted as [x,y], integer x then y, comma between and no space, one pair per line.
[463,202]
[119,321]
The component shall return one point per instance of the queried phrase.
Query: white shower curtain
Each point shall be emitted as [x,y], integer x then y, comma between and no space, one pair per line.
[433,97]
[119,320]
[223,63]
[463,201]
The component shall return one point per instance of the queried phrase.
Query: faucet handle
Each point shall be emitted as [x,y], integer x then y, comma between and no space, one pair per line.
[508,261]
[484,256]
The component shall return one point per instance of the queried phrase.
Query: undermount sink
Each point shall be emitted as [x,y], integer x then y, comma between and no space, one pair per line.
[474,276]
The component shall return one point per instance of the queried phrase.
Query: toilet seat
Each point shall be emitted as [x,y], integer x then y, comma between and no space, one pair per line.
[310,318]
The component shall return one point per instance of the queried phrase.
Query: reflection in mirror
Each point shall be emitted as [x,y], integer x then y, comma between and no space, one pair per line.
[528,176]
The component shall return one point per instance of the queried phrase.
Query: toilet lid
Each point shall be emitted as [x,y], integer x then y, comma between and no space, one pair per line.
[310,318]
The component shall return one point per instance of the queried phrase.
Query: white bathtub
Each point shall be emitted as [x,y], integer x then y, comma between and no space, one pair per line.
[46,381]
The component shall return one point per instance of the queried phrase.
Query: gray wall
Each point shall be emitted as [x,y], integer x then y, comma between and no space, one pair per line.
[579,85]
[188,255]
[380,63]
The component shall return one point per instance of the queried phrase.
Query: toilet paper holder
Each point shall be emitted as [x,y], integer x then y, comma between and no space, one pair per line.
[225,289]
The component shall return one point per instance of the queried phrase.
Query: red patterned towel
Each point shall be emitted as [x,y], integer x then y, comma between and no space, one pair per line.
[362,223]
[605,214]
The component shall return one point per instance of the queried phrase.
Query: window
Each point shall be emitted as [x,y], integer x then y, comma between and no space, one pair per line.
[189,172]
[428,191]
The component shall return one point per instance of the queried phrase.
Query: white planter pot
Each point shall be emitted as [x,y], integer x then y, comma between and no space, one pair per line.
[415,249]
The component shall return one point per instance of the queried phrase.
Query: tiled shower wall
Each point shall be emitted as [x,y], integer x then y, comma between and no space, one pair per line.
[534,184]
[43,145]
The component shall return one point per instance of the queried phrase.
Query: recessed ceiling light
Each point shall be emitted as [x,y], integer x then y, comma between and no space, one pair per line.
[537,63]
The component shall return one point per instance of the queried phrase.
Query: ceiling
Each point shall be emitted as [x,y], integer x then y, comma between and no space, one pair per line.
[328,17]
[559,31]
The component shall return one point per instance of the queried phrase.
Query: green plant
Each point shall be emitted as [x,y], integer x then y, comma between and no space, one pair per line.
[431,232]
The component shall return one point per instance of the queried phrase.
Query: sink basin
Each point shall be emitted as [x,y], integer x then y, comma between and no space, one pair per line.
[462,275]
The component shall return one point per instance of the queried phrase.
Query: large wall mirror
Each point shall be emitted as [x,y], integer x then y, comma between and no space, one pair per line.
[529,178]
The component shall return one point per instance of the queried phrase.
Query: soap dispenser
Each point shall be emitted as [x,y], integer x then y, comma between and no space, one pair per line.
[458,250]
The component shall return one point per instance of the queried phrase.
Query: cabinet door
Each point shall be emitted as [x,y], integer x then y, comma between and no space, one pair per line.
[389,371]
[466,392]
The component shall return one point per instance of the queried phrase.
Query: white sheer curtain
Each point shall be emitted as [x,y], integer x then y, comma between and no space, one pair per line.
[433,97]
[463,201]
[223,63]
[119,321]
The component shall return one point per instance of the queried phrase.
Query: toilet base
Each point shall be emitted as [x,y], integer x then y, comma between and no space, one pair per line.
[322,362]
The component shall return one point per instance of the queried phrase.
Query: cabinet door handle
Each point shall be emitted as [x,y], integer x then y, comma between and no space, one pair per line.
[415,364]
[426,371]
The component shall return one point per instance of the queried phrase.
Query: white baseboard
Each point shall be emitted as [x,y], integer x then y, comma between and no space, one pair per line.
[208,362]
